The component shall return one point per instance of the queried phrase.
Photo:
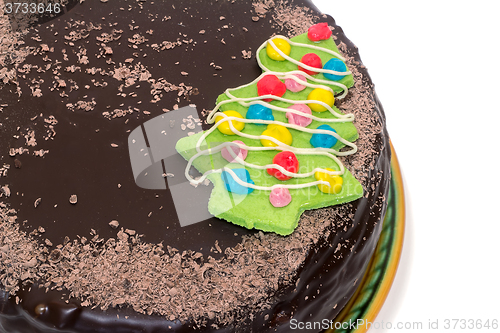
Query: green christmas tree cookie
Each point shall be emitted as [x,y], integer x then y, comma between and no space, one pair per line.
[272,136]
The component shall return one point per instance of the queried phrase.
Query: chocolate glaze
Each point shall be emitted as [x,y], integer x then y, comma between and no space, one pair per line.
[82,157]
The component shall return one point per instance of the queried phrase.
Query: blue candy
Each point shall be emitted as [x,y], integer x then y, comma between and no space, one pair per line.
[233,186]
[337,65]
[323,140]
[257,111]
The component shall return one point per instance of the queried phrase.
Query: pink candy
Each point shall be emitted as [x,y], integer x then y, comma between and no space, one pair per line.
[241,153]
[293,85]
[280,197]
[295,119]
[319,31]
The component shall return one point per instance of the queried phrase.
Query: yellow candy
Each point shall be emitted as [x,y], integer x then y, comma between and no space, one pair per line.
[334,180]
[321,95]
[279,132]
[224,127]
[282,45]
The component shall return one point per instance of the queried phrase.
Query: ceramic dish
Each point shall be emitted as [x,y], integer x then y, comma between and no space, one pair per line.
[377,281]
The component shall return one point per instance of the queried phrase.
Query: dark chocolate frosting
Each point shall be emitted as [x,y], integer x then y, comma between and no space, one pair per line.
[88,156]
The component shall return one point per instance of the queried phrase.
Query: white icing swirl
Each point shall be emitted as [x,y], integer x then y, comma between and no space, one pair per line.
[328,152]
[270,42]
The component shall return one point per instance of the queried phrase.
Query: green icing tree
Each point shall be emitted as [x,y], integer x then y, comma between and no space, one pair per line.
[254,210]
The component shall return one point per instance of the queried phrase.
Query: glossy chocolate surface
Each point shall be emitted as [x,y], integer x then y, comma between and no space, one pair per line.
[82,161]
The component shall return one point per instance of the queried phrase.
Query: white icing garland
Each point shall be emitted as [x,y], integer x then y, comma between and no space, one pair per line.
[298,63]
[331,153]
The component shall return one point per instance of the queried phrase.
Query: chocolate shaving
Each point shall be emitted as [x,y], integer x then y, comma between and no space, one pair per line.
[73,199]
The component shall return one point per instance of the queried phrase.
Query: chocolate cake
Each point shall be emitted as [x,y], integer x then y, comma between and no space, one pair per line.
[84,248]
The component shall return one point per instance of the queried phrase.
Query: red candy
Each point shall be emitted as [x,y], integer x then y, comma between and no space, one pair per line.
[319,32]
[313,60]
[287,160]
[270,85]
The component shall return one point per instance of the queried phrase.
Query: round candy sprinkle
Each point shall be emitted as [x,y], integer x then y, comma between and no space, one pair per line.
[313,60]
[319,140]
[257,111]
[232,186]
[280,197]
[319,32]
[334,180]
[279,132]
[293,85]
[321,95]
[240,152]
[282,45]
[270,85]
[288,161]
[224,127]
[296,119]
[337,65]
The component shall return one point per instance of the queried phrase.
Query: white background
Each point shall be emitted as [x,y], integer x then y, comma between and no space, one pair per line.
[436,69]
